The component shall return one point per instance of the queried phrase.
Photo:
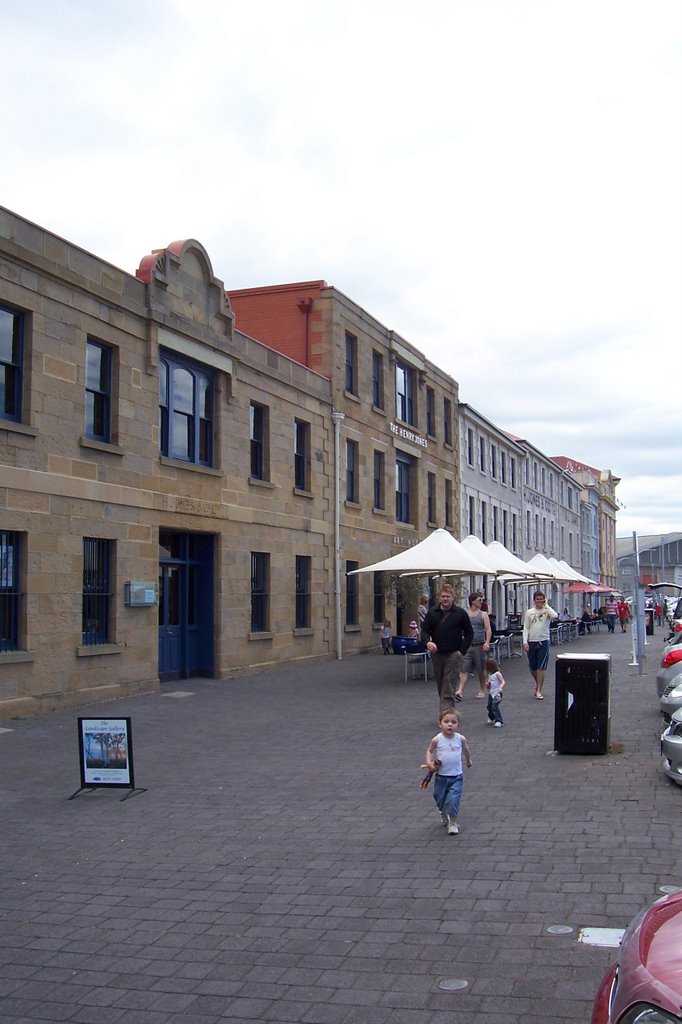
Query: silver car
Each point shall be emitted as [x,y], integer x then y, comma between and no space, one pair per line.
[671,698]
[671,666]
[671,749]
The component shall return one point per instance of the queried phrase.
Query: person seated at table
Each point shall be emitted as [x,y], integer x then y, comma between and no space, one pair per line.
[564,616]
[585,619]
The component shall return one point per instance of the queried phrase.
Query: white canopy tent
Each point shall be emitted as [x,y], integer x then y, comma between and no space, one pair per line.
[437,554]
[578,576]
[549,571]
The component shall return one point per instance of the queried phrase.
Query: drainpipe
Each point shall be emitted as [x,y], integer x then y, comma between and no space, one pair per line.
[337,417]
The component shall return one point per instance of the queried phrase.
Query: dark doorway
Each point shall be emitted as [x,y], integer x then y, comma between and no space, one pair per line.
[185,605]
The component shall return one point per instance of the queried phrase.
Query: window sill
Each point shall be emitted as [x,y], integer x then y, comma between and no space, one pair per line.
[351,628]
[255,481]
[379,511]
[352,504]
[18,428]
[15,657]
[100,446]
[304,632]
[379,409]
[353,398]
[302,494]
[432,525]
[192,467]
[92,650]
[261,636]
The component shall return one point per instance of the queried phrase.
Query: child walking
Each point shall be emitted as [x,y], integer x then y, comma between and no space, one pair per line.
[385,635]
[494,686]
[444,757]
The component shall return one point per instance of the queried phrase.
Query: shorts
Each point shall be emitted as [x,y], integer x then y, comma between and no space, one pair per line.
[538,655]
[474,660]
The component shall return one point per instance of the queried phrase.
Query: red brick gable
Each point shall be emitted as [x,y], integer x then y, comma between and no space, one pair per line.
[283,316]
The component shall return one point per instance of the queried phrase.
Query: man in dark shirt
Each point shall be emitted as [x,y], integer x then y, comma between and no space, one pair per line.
[447,633]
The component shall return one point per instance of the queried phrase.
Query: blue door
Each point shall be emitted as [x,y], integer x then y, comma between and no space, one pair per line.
[185,605]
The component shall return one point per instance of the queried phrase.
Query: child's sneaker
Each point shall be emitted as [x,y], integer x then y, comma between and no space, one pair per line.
[491,721]
[453,828]
[444,820]
[498,725]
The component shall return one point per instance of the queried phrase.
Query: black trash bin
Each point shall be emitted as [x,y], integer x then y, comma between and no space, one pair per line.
[582,708]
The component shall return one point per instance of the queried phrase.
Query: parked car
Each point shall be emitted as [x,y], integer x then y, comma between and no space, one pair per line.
[671,748]
[644,986]
[669,682]
[671,665]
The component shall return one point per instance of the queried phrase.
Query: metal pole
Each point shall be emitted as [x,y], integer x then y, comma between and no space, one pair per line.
[337,417]
[638,610]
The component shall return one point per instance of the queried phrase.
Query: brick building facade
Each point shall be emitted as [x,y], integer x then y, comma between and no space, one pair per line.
[179,499]
[127,456]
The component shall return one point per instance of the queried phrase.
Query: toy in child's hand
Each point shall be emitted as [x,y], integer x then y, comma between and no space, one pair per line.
[424,784]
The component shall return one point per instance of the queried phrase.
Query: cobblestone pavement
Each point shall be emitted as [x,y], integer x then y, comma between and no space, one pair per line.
[284,865]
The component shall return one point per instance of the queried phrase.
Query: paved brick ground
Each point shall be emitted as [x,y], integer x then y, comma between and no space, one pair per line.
[283,864]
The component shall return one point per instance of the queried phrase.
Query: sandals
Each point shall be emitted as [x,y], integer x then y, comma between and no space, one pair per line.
[538,696]
[458,696]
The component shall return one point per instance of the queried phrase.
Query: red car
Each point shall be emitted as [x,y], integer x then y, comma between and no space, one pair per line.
[645,985]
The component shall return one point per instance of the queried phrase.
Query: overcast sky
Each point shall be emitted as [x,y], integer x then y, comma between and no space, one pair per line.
[496,180]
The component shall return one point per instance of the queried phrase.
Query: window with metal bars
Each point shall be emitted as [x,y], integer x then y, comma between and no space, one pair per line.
[352,595]
[379,598]
[96,590]
[302,592]
[9,590]
[260,597]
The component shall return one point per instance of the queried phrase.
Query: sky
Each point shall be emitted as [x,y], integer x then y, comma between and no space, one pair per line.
[498,181]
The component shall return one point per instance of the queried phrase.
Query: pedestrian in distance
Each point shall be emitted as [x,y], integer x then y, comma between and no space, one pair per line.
[385,636]
[536,639]
[447,633]
[444,756]
[623,614]
[474,659]
[611,613]
[494,686]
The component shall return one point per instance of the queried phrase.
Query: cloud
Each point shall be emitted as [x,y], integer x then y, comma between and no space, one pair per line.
[499,183]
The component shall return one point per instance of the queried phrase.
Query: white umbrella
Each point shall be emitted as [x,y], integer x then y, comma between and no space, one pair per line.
[576,575]
[438,554]
[538,563]
[514,569]
[480,552]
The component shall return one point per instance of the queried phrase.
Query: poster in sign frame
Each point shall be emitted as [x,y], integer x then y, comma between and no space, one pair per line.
[105,747]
